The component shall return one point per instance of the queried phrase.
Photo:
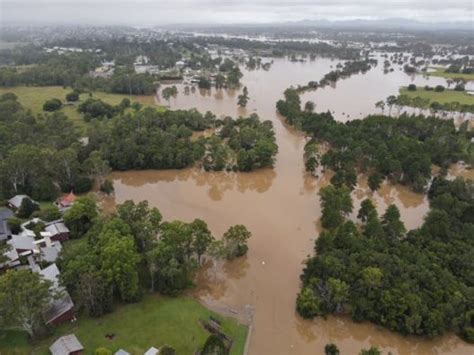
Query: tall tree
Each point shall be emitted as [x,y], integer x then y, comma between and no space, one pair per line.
[23,298]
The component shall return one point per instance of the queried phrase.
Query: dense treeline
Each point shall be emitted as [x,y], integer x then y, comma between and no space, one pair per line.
[282,48]
[41,155]
[134,250]
[419,282]
[402,149]
[149,139]
[343,71]
[44,155]
[244,144]
[73,70]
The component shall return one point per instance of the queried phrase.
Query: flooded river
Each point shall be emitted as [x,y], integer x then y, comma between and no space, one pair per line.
[280,207]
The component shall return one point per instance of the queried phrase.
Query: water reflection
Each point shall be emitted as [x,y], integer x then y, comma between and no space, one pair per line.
[217,183]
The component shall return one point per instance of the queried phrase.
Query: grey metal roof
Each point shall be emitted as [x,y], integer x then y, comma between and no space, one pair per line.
[66,345]
[16,201]
[152,351]
[58,306]
[23,242]
[56,227]
[50,254]
[122,352]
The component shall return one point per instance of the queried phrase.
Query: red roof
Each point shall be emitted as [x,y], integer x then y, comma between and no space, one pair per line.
[68,199]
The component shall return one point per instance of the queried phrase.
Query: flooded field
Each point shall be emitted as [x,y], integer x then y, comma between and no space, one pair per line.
[281,208]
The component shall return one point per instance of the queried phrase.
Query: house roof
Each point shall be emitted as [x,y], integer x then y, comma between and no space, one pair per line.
[152,351]
[68,199]
[65,345]
[22,242]
[56,227]
[16,201]
[61,305]
[50,254]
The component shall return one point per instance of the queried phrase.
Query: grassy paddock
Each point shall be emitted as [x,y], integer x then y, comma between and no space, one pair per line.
[443,74]
[33,98]
[443,97]
[155,321]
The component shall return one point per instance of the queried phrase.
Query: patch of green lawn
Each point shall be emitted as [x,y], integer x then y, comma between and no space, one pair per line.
[443,74]
[155,321]
[33,98]
[443,97]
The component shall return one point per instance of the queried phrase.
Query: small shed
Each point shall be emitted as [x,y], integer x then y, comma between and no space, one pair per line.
[152,351]
[67,345]
[121,352]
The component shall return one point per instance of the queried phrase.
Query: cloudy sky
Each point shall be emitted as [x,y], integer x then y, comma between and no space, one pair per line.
[158,12]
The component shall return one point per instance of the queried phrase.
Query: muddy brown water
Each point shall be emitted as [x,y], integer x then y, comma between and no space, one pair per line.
[280,207]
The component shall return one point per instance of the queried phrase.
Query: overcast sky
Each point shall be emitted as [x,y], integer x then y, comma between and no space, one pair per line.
[158,12]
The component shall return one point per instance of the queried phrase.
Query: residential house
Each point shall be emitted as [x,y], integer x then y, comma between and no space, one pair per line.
[62,309]
[66,201]
[67,345]
[15,201]
[58,230]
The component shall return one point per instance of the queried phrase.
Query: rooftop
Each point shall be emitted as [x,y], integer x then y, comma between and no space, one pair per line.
[65,345]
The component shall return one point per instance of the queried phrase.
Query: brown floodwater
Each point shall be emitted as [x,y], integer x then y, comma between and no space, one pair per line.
[281,208]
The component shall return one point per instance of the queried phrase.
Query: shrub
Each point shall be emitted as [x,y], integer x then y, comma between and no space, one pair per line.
[439,88]
[27,207]
[107,187]
[412,87]
[52,105]
[167,350]
[49,213]
[15,225]
[72,96]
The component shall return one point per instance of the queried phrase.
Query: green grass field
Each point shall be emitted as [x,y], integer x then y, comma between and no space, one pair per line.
[442,97]
[33,98]
[441,73]
[155,321]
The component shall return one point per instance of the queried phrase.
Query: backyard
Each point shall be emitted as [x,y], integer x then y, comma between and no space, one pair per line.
[155,321]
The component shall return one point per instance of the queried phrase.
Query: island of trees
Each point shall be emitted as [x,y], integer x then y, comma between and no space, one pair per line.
[417,282]
[401,149]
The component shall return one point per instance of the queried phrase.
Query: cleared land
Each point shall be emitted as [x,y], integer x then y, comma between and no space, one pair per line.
[155,321]
[442,97]
[442,73]
[33,98]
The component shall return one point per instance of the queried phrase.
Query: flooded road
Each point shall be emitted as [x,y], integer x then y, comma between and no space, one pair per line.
[281,208]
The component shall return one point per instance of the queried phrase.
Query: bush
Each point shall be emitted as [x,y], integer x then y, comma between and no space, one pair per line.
[52,105]
[167,350]
[428,88]
[459,87]
[49,213]
[15,225]
[439,88]
[107,187]
[27,207]
[412,87]
[72,96]
[214,346]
